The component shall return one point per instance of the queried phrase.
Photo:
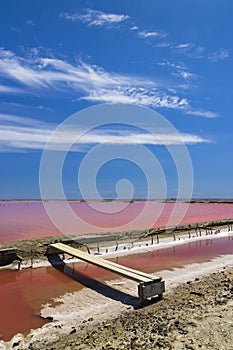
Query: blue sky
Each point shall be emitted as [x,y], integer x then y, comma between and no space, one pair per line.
[58,57]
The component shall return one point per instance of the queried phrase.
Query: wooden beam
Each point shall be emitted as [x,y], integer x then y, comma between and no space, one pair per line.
[133,274]
[149,285]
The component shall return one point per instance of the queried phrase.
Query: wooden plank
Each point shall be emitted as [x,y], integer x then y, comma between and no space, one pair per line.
[140,273]
[100,262]
[135,275]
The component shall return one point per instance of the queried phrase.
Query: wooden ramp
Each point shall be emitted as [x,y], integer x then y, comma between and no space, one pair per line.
[149,285]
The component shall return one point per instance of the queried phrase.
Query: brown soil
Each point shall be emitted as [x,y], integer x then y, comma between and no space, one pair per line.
[37,247]
[196,315]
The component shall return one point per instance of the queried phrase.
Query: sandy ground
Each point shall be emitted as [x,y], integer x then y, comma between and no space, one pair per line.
[86,310]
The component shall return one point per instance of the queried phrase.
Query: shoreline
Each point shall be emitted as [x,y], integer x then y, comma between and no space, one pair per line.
[92,308]
[124,249]
[86,310]
[110,200]
[195,315]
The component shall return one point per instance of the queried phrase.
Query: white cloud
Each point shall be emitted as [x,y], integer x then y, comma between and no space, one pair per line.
[201,113]
[6,53]
[10,89]
[187,49]
[34,136]
[5,119]
[134,28]
[200,49]
[185,74]
[129,137]
[146,97]
[185,46]
[180,69]
[151,34]
[19,133]
[96,18]
[165,44]
[220,55]
[30,22]
[46,72]
[91,82]
[145,34]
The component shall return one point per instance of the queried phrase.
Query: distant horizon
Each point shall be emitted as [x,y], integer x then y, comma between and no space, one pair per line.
[120,200]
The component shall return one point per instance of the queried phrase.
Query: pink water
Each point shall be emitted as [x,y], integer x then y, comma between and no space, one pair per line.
[22,293]
[28,219]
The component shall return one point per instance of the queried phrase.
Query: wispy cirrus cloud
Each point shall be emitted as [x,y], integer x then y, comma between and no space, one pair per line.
[134,28]
[183,73]
[30,22]
[144,97]
[188,49]
[179,70]
[91,82]
[219,55]
[202,113]
[185,46]
[192,50]
[164,44]
[18,133]
[16,120]
[99,18]
[47,72]
[95,18]
[10,89]
[151,34]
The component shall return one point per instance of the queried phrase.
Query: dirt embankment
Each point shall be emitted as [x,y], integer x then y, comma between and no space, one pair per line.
[36,248]
[196,315]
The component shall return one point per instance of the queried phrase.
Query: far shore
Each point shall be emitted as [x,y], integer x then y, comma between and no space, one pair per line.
[35,249]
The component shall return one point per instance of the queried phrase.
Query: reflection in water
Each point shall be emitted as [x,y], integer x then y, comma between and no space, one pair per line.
[179,255]
[22,293]
[94,284]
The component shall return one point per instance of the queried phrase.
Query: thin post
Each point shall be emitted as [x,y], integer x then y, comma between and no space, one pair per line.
[116,245]
[32,255]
